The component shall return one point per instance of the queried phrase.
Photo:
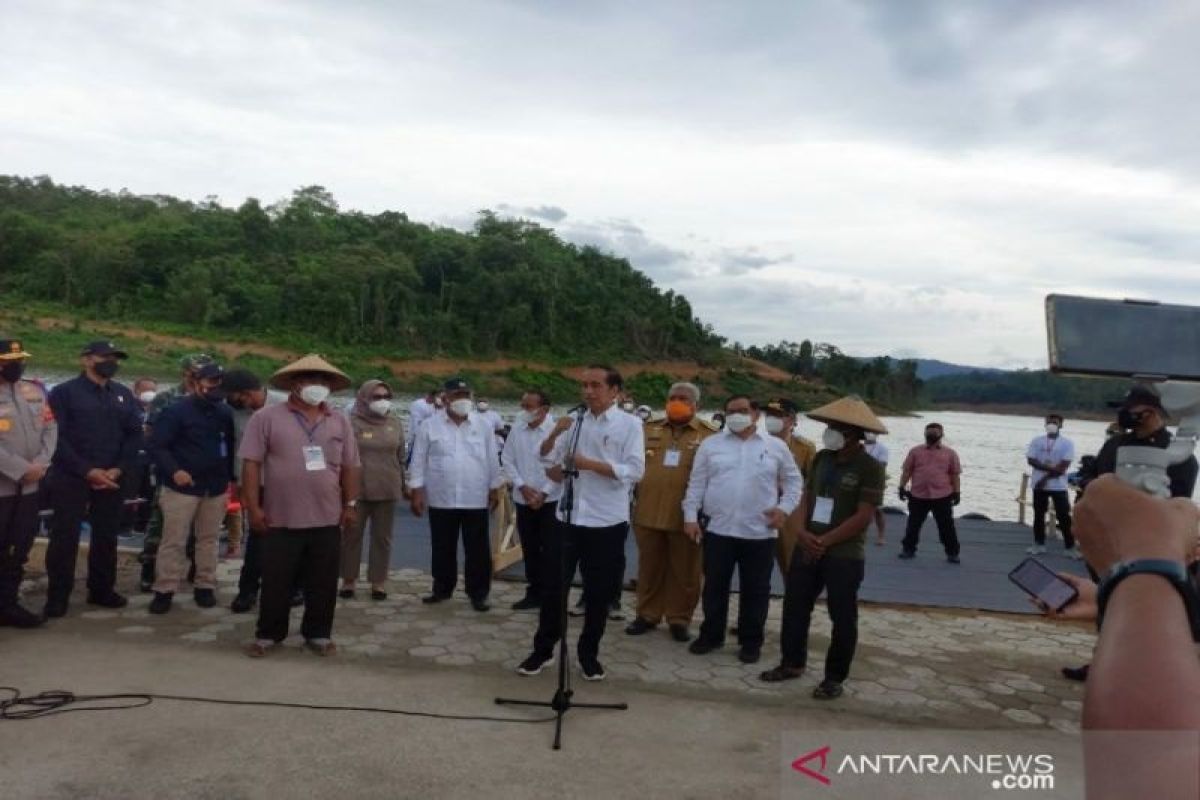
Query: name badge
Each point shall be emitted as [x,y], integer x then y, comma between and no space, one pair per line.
[671,458]
[823,510]
[314,458]
[224,447]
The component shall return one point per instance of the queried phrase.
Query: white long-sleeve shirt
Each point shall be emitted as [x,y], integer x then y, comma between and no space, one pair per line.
[456,464]
[613,437]
[521,461]
[735,480]
[419,410]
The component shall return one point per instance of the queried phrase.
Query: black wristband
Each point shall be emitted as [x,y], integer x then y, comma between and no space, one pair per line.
[1172,571]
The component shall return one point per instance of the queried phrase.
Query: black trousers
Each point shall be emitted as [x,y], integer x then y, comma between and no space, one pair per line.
[754,559]
[1062,510]
[599,553]
[535,527]
[73,502]
[18,527]
[943,515]
[840,579]
[444,527]
[250,577]
[299,556]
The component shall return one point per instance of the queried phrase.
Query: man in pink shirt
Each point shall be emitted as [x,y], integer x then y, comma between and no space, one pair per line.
[934,471]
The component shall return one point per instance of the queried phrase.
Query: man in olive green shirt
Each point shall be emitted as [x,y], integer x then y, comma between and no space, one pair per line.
[844,487]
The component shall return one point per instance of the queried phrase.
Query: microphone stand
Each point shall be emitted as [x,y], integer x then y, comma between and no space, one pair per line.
[561,703]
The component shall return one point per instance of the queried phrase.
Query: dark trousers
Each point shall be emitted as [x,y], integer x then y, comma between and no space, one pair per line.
[943,515]
[599,553]
[444,527]
[754,559]
[840,579]
[136,516]
[73,502]
[307,557]
[251,575]
[535,527]
[18,526]
[1062,510]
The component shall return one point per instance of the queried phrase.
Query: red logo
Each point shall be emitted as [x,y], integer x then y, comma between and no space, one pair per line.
[799,764]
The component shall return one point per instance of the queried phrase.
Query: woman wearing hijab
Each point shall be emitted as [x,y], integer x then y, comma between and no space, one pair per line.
[380,438]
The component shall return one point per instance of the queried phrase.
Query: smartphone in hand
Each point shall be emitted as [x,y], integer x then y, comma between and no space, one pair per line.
[1043,584]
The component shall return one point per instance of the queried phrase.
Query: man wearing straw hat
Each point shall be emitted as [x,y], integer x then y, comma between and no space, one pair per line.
[844,487]
[304,457]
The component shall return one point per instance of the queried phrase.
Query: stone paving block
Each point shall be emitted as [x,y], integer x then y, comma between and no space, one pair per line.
[426,651]
[1022,716]
[136,630]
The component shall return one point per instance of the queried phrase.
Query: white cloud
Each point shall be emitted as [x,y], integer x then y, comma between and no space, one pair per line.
[830,170]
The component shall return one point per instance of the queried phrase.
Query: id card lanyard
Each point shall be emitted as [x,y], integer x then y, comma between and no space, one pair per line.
[314,454]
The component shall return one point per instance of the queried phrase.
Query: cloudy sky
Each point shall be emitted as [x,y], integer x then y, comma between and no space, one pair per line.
[899,177]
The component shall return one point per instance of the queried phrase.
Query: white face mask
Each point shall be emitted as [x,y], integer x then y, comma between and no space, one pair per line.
[147,397]
[314,394]
[738,422]
[1051,429]
[483,406]
[380,407]
[774,425]
[833,439]
[461,407]
[627,407]
[528,417]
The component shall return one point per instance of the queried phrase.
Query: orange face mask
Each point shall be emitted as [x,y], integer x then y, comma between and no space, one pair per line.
[679,411]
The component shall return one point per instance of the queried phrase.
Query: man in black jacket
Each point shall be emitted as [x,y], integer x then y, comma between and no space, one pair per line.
[99,434]
[192,444]
[1144,421]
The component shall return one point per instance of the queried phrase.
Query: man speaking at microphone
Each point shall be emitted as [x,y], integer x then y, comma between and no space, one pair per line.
[608,460]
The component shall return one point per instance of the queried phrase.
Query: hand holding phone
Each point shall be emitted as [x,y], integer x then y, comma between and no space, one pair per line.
[1043,584]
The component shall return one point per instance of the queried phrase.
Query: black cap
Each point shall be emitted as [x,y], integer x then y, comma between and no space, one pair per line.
[241,380]
[103,347]
[455,385]
[208,371]
[1139,395]
[780,405]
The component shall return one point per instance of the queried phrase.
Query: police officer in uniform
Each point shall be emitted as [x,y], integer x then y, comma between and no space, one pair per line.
[27,439]
[668,584]
[99,435]
[189,365]
[781,422]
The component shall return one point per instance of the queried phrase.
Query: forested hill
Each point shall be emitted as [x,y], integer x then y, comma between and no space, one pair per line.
[305,271]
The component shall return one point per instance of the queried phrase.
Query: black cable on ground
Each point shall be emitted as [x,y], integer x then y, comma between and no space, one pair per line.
[56,701]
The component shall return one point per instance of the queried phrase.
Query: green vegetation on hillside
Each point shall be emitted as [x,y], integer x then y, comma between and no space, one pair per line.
[879,380]
[304,272]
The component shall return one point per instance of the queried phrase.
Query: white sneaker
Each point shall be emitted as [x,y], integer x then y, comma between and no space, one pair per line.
[1036,549]
[1073,553]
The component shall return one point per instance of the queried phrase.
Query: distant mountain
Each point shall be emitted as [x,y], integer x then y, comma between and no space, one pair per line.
[932,368]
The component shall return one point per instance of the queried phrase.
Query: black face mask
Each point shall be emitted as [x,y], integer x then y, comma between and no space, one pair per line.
[107,369]
[12,371]
[214,395]
[1129,420]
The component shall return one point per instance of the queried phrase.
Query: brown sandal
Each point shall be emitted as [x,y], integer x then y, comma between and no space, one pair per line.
[781,673]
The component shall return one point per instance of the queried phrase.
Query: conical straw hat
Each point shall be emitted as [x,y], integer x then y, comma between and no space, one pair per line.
[310,363]
[849,411]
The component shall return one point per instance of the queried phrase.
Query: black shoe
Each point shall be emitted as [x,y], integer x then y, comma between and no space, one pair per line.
[680,633]
[535,663]
[907,554]
[827,690]
[205,598]
[430,599]
[17,617]
[1076,673]
[107,600]
[481,605]
[242,603]
[297,598]
[639,626]
[748,655]
[378,595]
[526,604]
[56,608]
[703,646]
[592,669]
[161,603]
[953,559]
[346,594]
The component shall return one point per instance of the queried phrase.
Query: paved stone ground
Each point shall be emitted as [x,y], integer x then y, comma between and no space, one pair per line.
[927,667]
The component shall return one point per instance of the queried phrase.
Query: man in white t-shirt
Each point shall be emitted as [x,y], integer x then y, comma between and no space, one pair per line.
[878,451]
[1051,455]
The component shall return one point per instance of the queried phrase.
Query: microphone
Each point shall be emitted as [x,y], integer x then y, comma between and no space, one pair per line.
[579,409]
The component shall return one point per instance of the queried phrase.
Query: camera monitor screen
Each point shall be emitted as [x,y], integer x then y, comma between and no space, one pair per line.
[1123,338]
